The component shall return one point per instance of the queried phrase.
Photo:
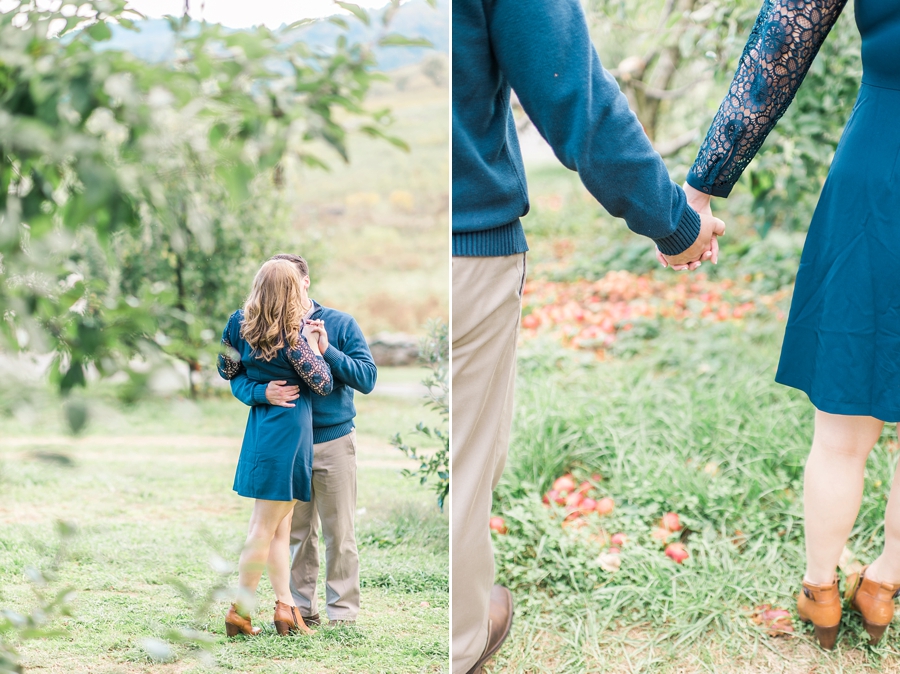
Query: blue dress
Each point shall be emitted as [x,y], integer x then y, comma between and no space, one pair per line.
[842,341]
[276,456]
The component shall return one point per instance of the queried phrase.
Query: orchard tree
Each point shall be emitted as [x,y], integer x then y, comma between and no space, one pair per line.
[134,195]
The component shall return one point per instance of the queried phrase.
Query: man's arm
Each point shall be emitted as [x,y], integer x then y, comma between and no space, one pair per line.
[545,51]
[352,363]
[274,393]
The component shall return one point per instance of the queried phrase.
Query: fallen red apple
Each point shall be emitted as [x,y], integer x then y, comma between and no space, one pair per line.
[584,488]
[497,524]
[777,622]
[566,483]
[597,477]
[618,539]
[614,551]
[531,321]
[671,522]
[574,520]
[661,534]
[574,500]
[677,552]
[605,505]
[587,505]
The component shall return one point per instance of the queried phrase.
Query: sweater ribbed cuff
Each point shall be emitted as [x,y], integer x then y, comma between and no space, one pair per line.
[713,190]
[684,235]
[331,355]
[497,242]
[259,394]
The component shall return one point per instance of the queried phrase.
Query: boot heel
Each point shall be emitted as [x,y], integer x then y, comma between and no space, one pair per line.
[826,636]
[875,631]
[232,630]
[283,628]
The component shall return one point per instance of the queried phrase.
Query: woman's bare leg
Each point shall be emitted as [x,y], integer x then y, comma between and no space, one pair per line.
[264,522]
[886,568]
[833,488]
[279,564]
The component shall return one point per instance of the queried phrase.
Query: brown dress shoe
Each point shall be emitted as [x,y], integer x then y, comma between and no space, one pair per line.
[288,619]
[236,624]
[874,601]
[313,620]
[500,615]
[821,606]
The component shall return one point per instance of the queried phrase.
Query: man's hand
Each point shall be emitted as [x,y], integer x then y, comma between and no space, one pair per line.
[280,395]
[706,247]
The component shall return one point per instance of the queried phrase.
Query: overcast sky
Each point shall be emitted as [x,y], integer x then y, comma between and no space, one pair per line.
[244,13]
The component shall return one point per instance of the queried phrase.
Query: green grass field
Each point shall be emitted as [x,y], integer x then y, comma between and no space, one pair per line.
[677,415]
[148,488]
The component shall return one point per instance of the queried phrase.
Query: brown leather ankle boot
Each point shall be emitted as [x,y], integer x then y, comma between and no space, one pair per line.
[874,601]
[288,619]
[236,624]
[821,606]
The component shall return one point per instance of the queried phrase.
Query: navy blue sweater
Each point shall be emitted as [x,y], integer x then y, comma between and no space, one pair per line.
[541,48]
[351,366]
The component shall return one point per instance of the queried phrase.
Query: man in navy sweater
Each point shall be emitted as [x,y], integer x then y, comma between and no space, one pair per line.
[542,50]
[334,464]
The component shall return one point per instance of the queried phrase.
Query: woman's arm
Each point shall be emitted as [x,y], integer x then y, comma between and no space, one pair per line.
[311,367]
[229,361]
[785,40]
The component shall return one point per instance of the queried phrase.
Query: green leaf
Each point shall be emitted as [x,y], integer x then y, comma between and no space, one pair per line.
[299,24]
[356,10]
[338,21]
[99,31]
[397,40]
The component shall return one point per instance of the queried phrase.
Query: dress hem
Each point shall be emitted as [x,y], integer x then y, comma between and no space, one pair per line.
[265,498]
[840,406]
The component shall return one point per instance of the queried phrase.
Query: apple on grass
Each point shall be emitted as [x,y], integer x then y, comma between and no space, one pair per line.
[677,552]
[671,522]
[605,505]
[564,484]
[498,525]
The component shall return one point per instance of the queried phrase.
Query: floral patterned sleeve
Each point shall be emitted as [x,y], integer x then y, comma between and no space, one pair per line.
[312,368]
[229,361]
[785,40]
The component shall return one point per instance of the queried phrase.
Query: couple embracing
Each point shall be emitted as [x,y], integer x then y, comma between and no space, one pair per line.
[842,342]
[296,364]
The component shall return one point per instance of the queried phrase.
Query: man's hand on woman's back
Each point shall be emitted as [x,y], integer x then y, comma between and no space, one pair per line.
[278,393]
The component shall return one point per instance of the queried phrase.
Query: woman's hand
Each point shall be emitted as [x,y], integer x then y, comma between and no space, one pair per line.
[317,330]
[311,335]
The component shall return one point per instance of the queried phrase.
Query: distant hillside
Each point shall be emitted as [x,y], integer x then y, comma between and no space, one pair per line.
[154,40]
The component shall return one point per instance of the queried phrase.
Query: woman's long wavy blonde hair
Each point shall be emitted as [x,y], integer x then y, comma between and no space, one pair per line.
[273,312]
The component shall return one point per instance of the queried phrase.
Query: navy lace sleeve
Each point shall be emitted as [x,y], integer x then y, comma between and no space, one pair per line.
[229,361]
[312,368]
[785,40]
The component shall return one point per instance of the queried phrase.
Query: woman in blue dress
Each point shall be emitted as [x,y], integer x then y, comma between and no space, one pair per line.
[270,340]
[842,342]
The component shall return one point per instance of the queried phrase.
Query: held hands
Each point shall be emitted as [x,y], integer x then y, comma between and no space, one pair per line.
[706,247]
[315,331]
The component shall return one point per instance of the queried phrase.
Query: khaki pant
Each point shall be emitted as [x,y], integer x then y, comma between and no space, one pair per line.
[487,305]
[334,501]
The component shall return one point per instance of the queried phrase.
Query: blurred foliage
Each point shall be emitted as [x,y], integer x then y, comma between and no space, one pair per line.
[136,199]
[674,59]
[434,354]
[51,602]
